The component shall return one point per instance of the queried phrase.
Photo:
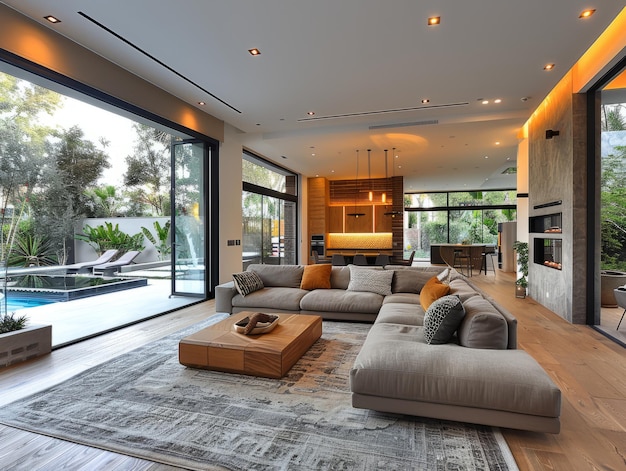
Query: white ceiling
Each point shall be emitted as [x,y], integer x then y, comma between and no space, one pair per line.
[357,64]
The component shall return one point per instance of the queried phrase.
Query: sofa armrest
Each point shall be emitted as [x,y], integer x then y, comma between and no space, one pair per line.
[224,297]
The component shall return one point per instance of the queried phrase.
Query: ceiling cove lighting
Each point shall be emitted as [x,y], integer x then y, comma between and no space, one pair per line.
[355,214]
[254,52]
[52,19]
[587,13]
[434,20]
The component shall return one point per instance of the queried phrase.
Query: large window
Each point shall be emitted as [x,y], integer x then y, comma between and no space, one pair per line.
[71,163]
[455,217]
[269,208]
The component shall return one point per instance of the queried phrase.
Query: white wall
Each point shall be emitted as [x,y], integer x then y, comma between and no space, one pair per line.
[230,220]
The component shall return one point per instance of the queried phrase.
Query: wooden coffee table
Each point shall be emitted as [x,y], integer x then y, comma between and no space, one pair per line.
[220,348]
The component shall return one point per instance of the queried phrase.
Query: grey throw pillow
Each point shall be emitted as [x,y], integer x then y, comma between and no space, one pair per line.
[247,282]
[371,280]
[442,319]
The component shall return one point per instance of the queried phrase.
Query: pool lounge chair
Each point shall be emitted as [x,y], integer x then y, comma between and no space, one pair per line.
[85,267]
[110,268]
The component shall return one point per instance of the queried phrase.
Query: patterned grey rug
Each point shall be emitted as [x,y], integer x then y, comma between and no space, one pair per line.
[146,404]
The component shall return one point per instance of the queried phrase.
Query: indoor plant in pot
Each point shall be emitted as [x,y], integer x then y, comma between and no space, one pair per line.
[521,248]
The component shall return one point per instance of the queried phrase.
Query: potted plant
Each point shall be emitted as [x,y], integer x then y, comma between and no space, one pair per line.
[522,262]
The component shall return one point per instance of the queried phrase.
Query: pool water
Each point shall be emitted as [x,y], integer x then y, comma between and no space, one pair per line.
[13,304]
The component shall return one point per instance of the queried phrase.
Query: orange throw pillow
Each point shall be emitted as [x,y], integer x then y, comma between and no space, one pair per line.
[316,276]
[432,290]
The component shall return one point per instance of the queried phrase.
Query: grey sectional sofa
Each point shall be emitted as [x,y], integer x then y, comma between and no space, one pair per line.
[479,377]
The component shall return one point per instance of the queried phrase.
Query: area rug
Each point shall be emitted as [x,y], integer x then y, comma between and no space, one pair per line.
[146,404]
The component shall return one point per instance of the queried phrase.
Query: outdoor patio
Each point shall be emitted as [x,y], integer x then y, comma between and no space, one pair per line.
[83,318]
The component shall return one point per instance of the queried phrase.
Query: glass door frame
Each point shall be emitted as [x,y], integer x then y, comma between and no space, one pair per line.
[209,199]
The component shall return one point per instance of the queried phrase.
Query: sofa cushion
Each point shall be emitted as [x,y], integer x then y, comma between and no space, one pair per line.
[286,276]
[408,298]
[370,280]
[483,326]
[283,299]
[247,282]
[316,276]
[432,290]
[340,277]
[401,313]
[340,300]
[396,363]
[462,289]
[409,281]
[442,319]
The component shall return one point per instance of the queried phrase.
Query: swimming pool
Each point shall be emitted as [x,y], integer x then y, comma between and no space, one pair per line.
[13,304]
[24,291]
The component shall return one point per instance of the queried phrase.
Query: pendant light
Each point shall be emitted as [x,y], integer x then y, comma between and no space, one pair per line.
[392,213]
[370,194]
[356,214]
[384,195]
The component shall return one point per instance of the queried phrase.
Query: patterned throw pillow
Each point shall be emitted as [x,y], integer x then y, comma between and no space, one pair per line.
[247,282]
[371,280]
[442,319]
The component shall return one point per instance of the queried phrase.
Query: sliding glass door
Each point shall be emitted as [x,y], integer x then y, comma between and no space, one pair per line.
[189,217]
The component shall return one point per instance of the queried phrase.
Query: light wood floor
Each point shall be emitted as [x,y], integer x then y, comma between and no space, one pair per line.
[589,368]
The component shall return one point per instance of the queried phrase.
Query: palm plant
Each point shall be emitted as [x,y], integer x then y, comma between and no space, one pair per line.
[162,246]
[106,236]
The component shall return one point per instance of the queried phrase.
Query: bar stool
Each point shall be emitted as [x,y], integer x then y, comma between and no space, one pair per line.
[462,260]
[382,260]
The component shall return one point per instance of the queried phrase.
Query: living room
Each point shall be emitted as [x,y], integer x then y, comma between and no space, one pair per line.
[558,112]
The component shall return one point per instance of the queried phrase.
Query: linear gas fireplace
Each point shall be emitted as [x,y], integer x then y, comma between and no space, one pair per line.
[548,252]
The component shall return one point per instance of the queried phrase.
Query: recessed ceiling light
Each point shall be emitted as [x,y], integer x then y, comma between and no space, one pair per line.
[201,103]
[486,156]
[425,100]
[434,20]
[497,143]
[548,67]
[497,100]
[254,51]
[485,102]
[587,13]
[52,19]
[311,113]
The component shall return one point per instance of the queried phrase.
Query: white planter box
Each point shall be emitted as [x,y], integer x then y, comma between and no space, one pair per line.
[24,344]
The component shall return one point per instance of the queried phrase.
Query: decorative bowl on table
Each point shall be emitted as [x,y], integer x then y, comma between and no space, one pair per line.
[261,327]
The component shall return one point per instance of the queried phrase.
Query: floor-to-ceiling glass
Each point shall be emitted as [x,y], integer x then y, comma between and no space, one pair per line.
[189,221]
[269,209]
[613,197]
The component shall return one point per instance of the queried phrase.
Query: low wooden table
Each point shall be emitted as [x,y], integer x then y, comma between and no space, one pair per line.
[220,348]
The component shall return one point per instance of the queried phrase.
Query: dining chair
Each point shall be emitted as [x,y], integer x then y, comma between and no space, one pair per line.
[359,259]
[338,260]
[407,262]
[382,260]
[317,260]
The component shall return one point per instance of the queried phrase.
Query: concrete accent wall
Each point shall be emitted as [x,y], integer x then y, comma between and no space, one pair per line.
[551,179]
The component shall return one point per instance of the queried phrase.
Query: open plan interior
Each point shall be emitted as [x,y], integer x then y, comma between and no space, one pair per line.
[292,235]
